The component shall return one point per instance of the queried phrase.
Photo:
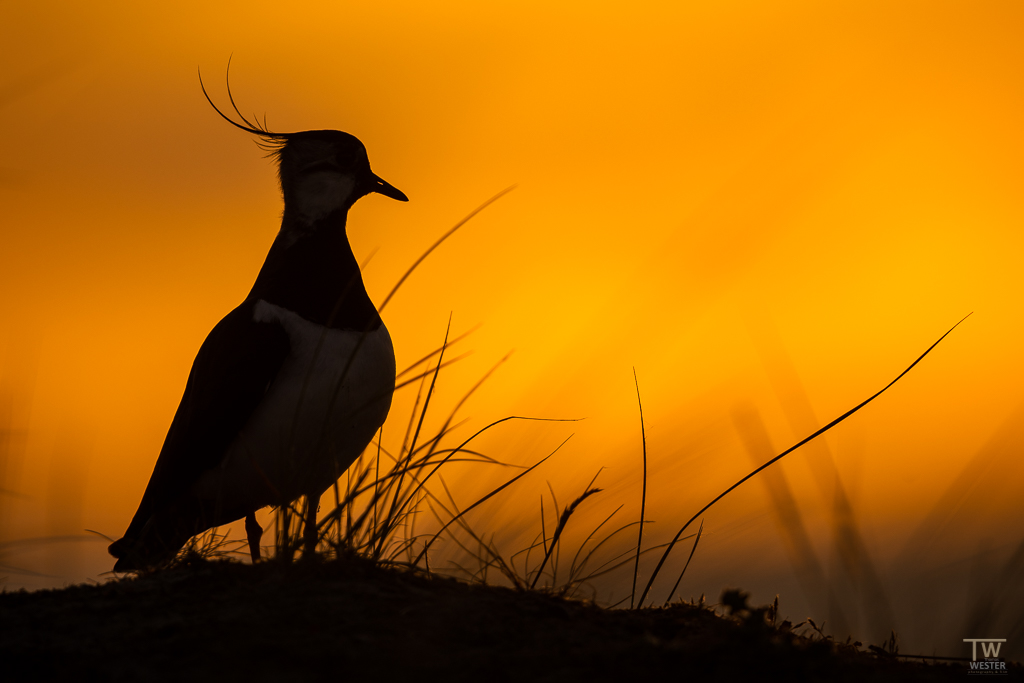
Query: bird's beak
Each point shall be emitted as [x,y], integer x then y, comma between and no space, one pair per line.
[385,188]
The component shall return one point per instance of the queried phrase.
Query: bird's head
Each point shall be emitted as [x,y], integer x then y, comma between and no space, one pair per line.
[322,171]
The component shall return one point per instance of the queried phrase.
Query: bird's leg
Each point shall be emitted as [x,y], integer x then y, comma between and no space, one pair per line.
[311,534]
[255,532]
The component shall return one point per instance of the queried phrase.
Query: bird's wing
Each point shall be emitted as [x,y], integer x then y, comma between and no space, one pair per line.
[232,371]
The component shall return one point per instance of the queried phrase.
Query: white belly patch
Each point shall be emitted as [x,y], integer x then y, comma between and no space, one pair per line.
[330,397]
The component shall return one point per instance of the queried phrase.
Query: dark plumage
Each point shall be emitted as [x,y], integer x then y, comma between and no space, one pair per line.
[291,385]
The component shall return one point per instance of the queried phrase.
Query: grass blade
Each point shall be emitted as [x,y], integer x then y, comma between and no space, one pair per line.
[692,551]
[443,237]
[643,496]
[508,483]
[789,450]
[562,521]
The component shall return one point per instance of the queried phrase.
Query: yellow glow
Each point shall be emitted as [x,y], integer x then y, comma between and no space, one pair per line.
[705,190]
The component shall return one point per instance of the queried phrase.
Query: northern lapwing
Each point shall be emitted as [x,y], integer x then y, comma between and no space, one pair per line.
[290,386]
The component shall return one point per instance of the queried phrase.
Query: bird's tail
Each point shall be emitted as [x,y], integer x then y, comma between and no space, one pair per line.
[159,538]
[147,551]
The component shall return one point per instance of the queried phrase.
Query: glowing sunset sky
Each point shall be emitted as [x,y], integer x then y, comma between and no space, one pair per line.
[768,209]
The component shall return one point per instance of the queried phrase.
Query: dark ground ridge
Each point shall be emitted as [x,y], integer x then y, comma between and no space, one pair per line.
[351,620]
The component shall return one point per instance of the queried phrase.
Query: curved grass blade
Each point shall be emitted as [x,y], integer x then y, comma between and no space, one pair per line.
[443,237]
[786,452]
[692,551]
[496,491]
[643,495]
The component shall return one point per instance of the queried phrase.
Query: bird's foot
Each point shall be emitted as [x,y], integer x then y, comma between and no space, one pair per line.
[311,535]
[254,532]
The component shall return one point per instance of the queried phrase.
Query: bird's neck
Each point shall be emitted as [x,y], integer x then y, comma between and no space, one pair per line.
[312,271]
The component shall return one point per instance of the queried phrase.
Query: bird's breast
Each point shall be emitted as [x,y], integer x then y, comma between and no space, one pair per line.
[329,398]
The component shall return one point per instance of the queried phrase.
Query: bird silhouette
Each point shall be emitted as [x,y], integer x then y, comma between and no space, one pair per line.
[290,386]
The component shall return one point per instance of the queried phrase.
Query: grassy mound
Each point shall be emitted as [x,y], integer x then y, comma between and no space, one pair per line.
[350,619]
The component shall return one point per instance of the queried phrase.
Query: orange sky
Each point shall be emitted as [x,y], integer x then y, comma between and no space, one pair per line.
[747,202]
